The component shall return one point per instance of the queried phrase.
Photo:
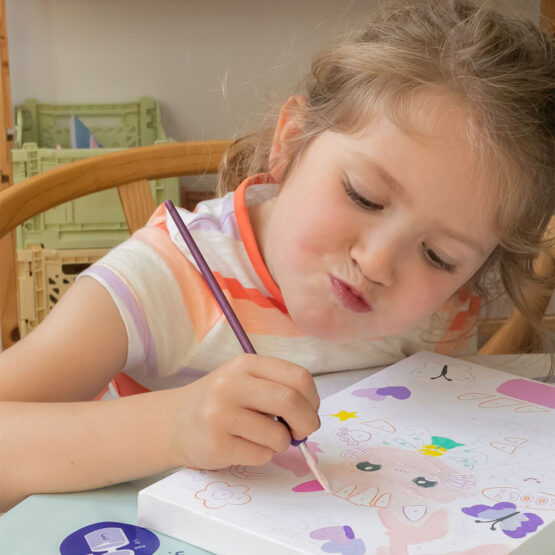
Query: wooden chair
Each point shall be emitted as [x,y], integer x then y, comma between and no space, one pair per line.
[129,170]
[515,335]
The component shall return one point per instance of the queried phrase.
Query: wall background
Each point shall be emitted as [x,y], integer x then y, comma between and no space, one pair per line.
[183,53]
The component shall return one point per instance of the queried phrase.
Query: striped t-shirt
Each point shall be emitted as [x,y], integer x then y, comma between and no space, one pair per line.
[176,330]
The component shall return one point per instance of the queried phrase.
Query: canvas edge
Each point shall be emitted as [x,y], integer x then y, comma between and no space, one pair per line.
[212,534]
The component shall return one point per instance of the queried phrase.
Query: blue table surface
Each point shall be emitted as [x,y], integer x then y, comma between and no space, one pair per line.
[39,524]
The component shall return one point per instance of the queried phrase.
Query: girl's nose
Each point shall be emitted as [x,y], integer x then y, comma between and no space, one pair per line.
[376,258]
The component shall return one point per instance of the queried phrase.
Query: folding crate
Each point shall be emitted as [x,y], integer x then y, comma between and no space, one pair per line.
[44,275]
[96,220]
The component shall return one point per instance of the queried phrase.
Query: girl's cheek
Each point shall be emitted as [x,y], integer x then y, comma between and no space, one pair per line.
[424,296]
[314,239]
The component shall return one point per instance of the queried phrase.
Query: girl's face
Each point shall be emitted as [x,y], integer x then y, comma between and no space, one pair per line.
[371,233]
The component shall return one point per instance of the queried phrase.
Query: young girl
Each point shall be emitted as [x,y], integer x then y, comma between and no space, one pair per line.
[418,155]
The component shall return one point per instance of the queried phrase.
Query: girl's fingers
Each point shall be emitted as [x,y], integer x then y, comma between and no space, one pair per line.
[235,406]
[260,429]
[282,372]
[243,451]
[276,399]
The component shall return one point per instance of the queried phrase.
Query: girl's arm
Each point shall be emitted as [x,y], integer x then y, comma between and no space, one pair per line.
[52,440]
[60,447]
[72,355]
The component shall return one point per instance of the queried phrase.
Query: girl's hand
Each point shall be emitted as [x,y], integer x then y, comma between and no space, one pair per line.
[226,418]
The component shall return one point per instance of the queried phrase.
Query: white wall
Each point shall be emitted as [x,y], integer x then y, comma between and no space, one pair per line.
[180,52]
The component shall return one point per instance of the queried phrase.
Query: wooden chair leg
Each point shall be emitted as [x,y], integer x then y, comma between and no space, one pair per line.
[137,203]
[8,291]
[8,277]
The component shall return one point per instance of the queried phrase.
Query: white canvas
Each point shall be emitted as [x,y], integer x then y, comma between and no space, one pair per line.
[429,456]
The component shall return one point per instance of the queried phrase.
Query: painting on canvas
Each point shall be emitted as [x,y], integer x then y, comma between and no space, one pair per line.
[431,455]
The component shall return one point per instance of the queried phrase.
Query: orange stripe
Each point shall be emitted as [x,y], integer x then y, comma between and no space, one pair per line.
[158,217]
[264,321]
[100,395]
[258,314]
[238,291]
[203,310]
[125,386]
[249,240]
[128,386]
[458,334]
[460,319]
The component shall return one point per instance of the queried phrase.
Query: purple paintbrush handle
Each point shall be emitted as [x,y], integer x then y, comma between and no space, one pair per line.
[210,280]
[217,292]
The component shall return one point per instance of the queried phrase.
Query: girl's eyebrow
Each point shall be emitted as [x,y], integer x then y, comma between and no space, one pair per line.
[388,179]
[401,192]
[463,239]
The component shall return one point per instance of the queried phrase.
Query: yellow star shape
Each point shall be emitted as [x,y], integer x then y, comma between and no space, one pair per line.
[344,415]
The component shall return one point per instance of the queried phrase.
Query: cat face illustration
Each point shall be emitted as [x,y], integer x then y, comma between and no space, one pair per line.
[409,484]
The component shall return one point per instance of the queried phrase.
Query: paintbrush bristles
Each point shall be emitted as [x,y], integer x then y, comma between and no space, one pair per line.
[314,468]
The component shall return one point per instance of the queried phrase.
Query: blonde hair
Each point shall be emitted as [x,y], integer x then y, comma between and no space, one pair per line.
[499,69]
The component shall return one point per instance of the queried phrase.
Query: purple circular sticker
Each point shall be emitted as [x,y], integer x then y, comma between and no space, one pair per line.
[110,537]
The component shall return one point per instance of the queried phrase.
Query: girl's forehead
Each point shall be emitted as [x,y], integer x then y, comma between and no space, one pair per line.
[433,171]
[437,125]
[420,114]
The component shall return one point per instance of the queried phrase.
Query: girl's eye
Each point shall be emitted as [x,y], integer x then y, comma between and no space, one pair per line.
[438,262]
[358,199]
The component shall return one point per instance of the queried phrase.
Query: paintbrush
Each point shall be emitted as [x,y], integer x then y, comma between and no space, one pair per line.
[237,328]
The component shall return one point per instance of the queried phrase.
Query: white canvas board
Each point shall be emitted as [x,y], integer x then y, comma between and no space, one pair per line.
[432,455]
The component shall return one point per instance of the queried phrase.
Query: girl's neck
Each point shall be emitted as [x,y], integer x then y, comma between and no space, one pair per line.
[259,215]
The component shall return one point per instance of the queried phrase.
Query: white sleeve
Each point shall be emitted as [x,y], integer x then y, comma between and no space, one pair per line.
[159,329]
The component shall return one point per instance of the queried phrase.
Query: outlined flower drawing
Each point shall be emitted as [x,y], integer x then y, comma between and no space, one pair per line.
[220,494]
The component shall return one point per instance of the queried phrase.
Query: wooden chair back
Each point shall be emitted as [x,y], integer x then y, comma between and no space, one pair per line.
[515,334]
[129,170]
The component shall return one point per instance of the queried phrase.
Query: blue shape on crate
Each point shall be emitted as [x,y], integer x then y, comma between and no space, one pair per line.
[80,135]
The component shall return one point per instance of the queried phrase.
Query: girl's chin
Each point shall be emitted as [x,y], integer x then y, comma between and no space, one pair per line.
[324,331]
[335,326]
[338,333]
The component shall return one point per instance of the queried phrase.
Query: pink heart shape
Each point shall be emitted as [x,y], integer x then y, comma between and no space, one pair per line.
[396,391]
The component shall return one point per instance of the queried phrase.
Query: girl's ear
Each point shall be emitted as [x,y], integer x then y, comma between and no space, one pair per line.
[290,122]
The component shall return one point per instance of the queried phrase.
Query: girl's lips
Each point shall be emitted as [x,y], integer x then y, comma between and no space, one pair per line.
[348,296]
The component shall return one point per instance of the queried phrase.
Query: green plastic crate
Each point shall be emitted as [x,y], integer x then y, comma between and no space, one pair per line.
[43,276]
[97,220]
